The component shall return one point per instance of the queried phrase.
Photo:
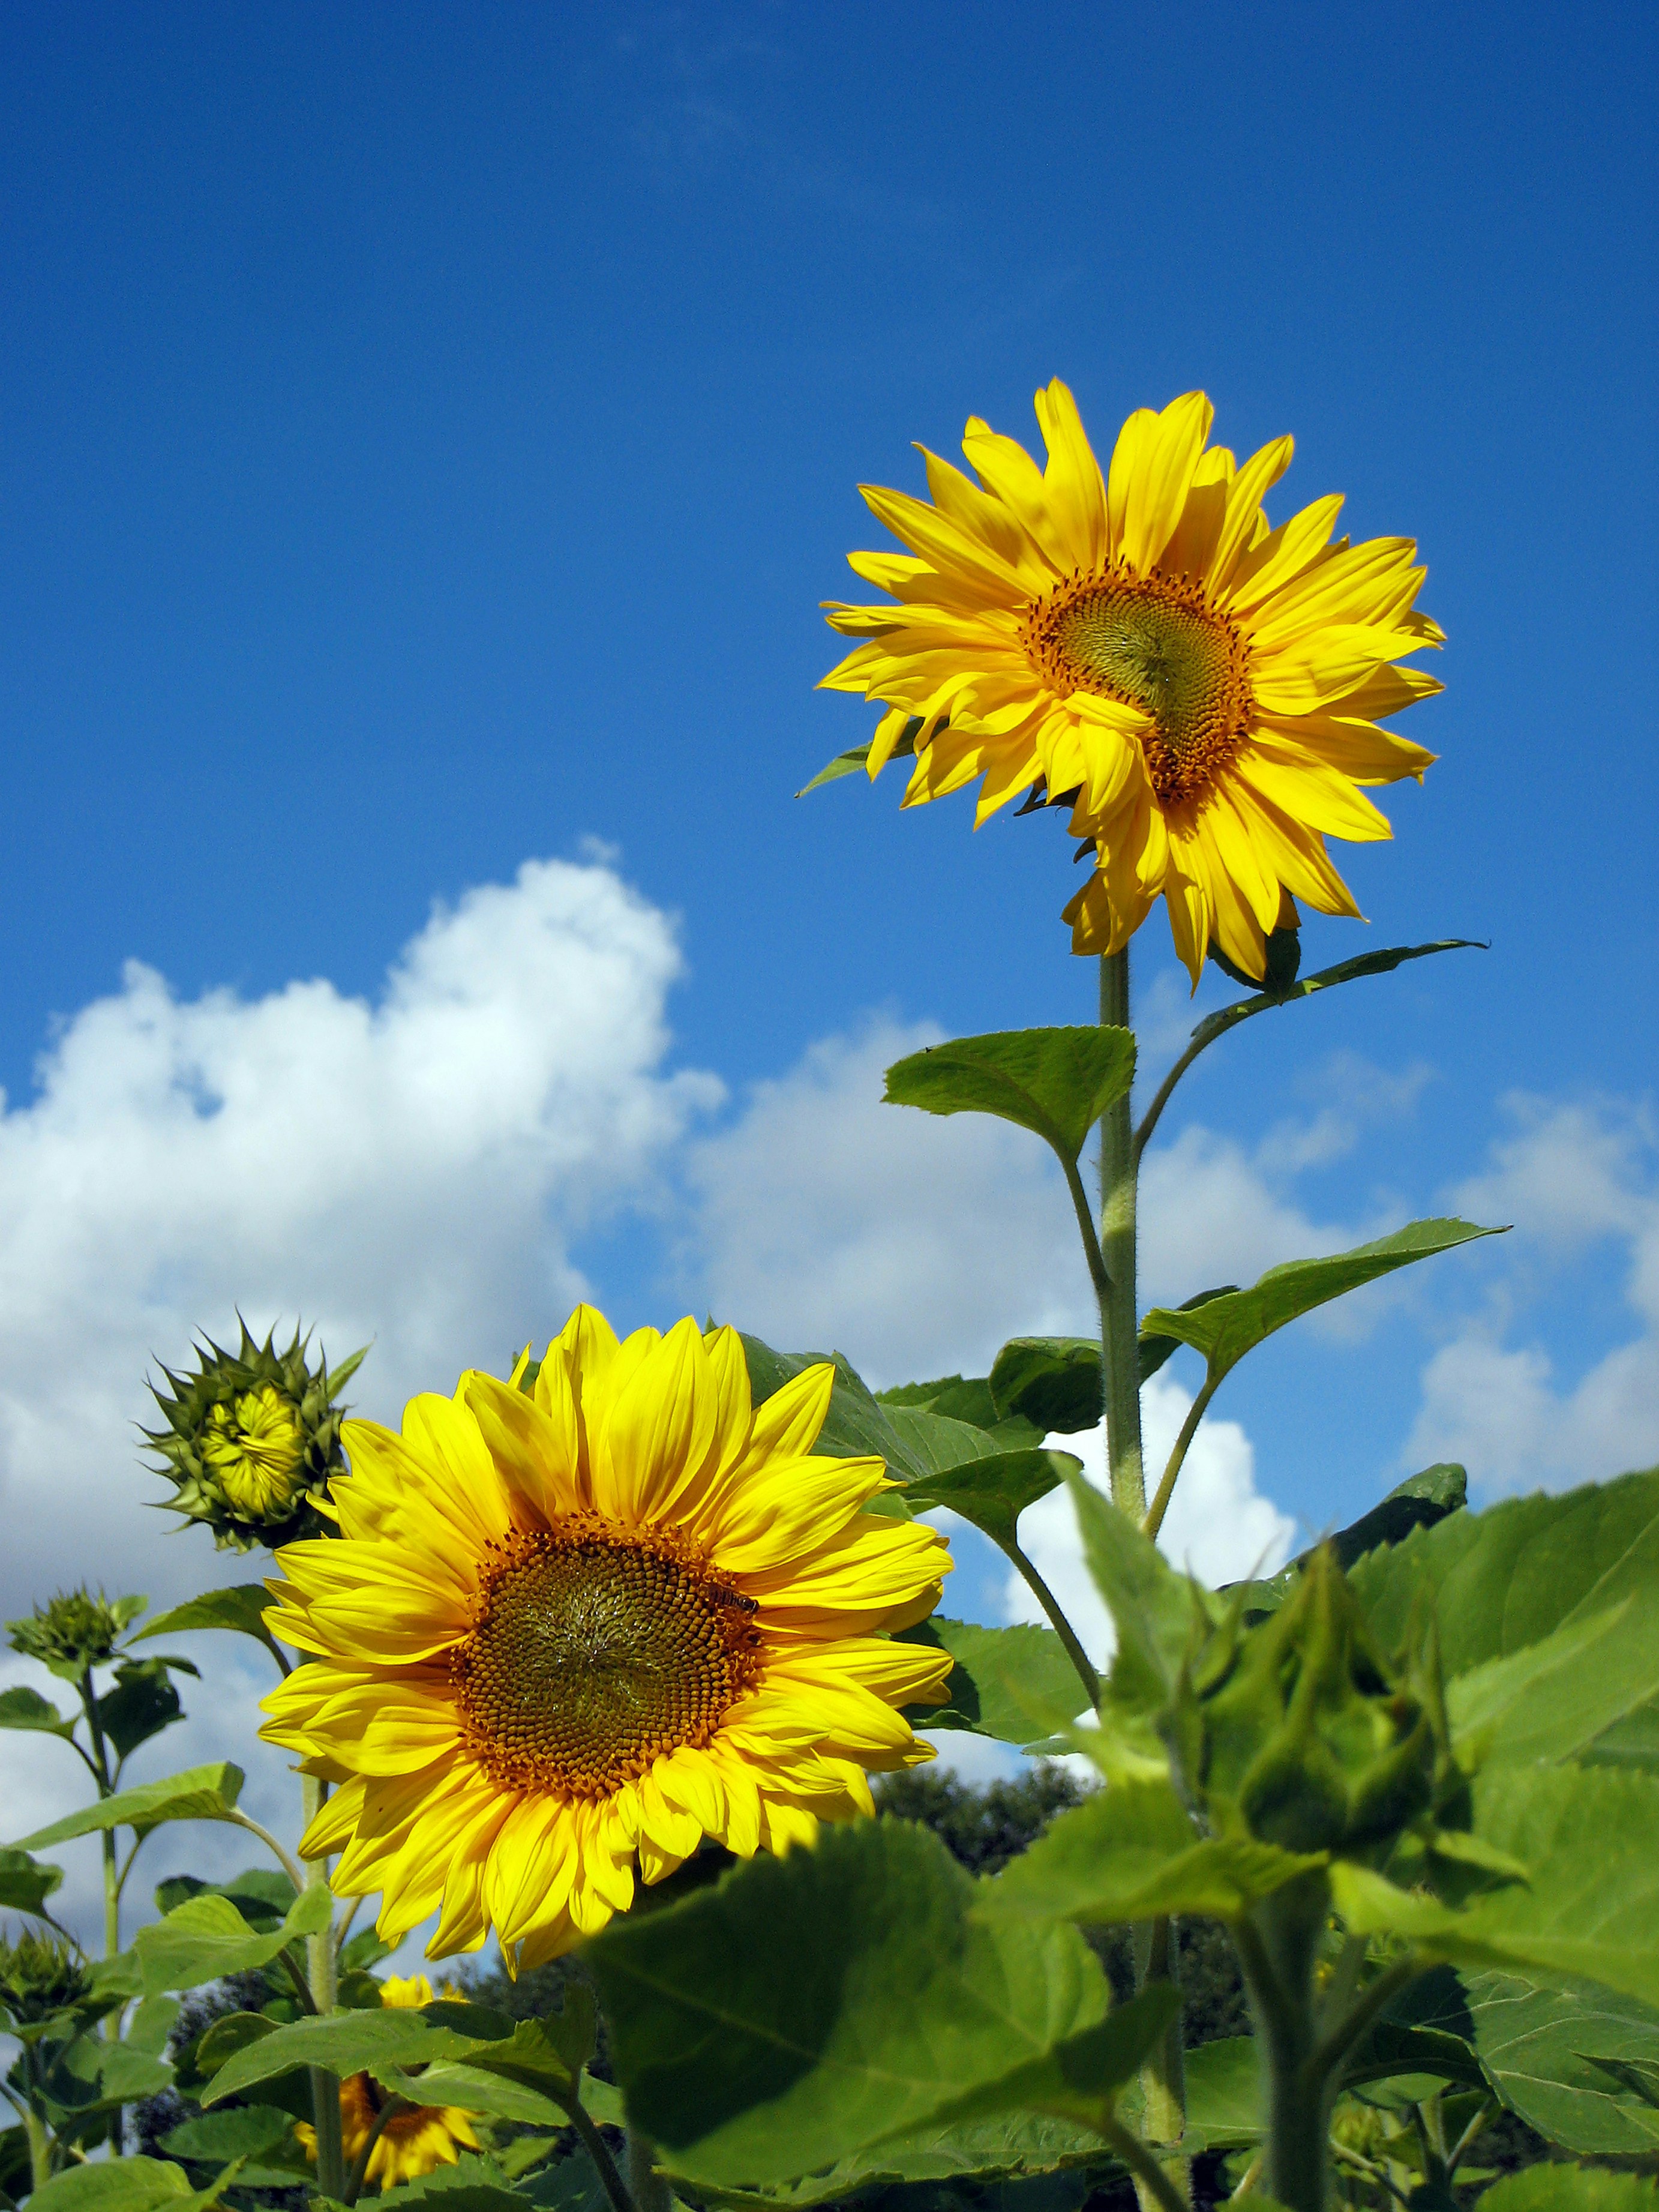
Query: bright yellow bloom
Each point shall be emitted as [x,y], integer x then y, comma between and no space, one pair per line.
[567,1632]
[410,2143]
[1200,687]
[256,1447]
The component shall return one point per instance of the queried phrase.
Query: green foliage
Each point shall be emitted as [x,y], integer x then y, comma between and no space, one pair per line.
[983,1827]
[199,1793]
[993,1491]
[1057,1083]
[26,1883]
[206,1937]
[752,2027]
[1228,1324]
[1577,2062]
[241,1609]
[1016,1683]
[855,761]
[128,2184]
[1570,2188]
[1053,1381]
[1345,971]
[74,1631]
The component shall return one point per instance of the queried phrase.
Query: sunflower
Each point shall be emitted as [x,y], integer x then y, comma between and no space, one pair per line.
[1201,689]
[411,2142]
[571,1627]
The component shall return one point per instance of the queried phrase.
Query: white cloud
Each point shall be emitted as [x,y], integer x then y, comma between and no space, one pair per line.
[916,1244]
[410,1171]
[1570,1176]
[1219,1528]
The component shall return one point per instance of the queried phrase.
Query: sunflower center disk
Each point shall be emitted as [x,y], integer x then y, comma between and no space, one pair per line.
[1155,643]
[593,1653]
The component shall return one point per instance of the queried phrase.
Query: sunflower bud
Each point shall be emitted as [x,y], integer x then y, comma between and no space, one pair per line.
[251,1440]
[74,1631]
[1304,1735]
[40,1980]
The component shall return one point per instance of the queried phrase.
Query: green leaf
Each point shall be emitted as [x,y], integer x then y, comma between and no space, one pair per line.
[993,1491]
[1223,2095]
[1154,1610]
[1053,1381]
[1591,1910]
[1552,2055]
[1157,1350]
[245,2132]
[1418,1501]
[1553,1699]
[932,1443]
[1510,1575]
[999,2161]
[1569,2189]
[262,1895]
[242,1608]
[1129,1852]
[128,2184]
[142,1703]
[26,1883]
[89,2075]
[476,2090]
[753,2027]
[200,1793]
[1231,1323]
[206,1937]
[151,2025]
[1345,971]
[959,1398]
[856,760]
[24,1708]
[1016,1685]
[1056,1083]
[574,2185]
[354,2042]
[530,2076]
[1078,2079]
[911,1441]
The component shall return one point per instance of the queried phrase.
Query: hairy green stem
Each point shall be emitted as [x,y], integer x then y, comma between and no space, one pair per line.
[111,2030]
[300,1877]
[1163,2077]
[1277,1946]
[1119,1321]
[603,2165]
[648,2188]
[320,1975]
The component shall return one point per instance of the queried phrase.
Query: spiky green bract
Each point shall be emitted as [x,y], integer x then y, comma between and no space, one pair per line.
[41,1978]
[237,1395]
[74,1631]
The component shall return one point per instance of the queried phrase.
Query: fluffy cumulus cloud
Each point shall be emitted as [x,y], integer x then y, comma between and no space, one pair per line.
[410,1170]
[1579,1180]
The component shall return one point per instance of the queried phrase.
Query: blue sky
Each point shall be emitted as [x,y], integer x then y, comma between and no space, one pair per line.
[426,434]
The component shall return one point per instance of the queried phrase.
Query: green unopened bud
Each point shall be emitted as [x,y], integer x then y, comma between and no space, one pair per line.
[1310,1739]
[251,1440]
[74,1631]
[40,1978]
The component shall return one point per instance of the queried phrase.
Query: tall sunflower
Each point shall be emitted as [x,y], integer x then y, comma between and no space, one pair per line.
[569,1629]
[411,2142]
[1203,690]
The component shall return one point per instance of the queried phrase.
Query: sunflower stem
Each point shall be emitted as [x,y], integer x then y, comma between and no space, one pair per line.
[648,2188]
[1118,1346]
[359,2173]
[1162,2078]
[321,1975]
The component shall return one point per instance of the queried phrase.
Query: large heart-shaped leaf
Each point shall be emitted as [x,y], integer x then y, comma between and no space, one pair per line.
[1130,1852]
[1560,2056]
[357,2042]
[1056,1083]
[1227,1325]
[754,2028]
[206,1937]
[241,1608]
[992,1492]
[200,1793]
[1016,1683]
[1590,1909]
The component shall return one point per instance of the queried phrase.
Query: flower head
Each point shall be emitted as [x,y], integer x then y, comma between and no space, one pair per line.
[571,1627]
[1202,690]
[74,1631]
[41,1978]
[252,1439]
[411,2142]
